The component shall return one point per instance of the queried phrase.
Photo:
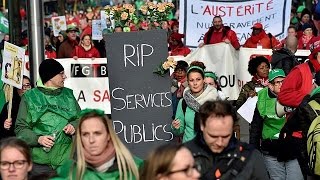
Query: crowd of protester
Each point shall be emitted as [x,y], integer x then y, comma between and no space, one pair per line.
[48,136]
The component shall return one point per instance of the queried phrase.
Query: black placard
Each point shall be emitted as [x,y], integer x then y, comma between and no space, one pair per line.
[140,100]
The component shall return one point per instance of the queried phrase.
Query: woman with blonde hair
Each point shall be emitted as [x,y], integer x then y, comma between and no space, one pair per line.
[170,162]
[97,151]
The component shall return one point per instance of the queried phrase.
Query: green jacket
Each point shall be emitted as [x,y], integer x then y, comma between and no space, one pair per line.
[272,124]
[90,173]
[186,123]
[43,111]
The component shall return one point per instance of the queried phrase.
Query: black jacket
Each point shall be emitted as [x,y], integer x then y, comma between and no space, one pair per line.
[283,59]
[252,168]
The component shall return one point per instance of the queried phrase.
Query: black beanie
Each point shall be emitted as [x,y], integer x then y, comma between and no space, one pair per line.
[48,69]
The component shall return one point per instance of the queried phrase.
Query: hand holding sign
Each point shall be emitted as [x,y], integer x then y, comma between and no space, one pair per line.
[7,123]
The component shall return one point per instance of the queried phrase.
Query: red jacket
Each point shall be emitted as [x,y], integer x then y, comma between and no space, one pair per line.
[180,51]
[50,54]
[264,40]
[296,86]
[85,31]
[218,36]
[80,52]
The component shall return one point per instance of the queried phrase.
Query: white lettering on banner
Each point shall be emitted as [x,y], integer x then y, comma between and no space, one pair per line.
[135,101]
[196,17]
[140,133]
[132,54]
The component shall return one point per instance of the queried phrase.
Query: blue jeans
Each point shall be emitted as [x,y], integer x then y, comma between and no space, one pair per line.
[288,170]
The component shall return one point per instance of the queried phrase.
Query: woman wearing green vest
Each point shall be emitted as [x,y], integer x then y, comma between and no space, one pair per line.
[266,127]
[97,152]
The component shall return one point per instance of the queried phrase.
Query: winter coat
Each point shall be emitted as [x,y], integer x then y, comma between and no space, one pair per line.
[253,167]
[283,59]
[80,52]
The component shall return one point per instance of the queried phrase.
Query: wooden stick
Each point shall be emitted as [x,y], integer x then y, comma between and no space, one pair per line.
[10,101]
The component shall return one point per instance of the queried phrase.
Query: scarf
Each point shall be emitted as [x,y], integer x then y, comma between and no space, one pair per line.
[86,48]
[209,94]
[263,81]
[305,40]
[181,87]
[102,158]
[256,38]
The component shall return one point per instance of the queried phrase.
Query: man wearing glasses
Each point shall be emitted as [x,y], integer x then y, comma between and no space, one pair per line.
[46,118]
[265,130]
[218,152]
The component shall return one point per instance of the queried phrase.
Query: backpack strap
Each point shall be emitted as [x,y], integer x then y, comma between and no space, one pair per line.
[230,166]
[315,107]
[184,107]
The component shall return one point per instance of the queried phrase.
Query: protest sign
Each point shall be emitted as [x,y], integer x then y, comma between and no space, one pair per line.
[96,30]
[140,100]
[13,65]
[58,24]
[196,17]
[89,81]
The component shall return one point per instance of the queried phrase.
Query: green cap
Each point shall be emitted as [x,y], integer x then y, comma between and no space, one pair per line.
[274,73]
[300,8]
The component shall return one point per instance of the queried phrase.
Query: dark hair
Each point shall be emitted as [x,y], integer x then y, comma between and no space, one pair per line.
[197,64]
[182,65]
[18,144]
[255,62]
[292,27]
[82,38]
[218,109]
[217,17]
[159,161]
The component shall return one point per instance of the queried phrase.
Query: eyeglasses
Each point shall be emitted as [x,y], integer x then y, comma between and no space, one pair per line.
[16,164]
[26,86]
[188,170]
[278,82]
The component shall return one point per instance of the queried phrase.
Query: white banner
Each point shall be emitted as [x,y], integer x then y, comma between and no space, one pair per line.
[196,17]
[220,58]
[89,81]
[245,55]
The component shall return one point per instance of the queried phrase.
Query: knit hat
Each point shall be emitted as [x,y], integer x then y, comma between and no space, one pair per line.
[274,73]
[257,26]
[306,26]
[48,69]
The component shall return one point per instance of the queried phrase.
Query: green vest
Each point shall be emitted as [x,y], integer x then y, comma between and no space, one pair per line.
[272,124]
[50,113]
